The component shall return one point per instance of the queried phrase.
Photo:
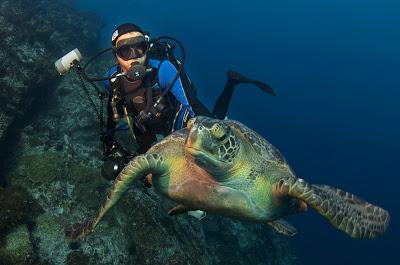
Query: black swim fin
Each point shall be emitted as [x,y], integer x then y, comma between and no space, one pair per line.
[263,86]
[241,79]
[237,77]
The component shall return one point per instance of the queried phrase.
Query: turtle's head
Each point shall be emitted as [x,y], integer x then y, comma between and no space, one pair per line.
[212,143]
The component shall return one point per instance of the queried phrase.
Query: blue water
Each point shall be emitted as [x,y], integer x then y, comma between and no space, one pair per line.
[335,66]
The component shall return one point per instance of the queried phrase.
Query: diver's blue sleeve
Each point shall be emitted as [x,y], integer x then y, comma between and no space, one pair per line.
[106,83]
[166,74]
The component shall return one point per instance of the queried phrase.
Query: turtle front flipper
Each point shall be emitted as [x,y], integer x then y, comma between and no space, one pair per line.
[137,168]
[345,211]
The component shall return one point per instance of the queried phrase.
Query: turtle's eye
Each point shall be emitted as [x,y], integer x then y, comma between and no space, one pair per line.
[190,123]
[218,132]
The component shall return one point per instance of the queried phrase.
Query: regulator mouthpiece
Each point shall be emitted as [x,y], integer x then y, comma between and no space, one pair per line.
[64,63]
[136,72]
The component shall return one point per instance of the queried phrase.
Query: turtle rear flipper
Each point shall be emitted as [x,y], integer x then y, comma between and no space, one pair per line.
[345,211]
[137,168]
[78,230]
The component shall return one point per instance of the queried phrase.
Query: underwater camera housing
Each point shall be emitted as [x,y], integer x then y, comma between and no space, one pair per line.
[115,160]
[64,64]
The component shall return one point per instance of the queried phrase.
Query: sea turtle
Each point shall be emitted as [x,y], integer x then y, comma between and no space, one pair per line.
[224,167]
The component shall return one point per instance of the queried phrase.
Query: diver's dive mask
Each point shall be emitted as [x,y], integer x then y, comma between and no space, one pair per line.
[131,48]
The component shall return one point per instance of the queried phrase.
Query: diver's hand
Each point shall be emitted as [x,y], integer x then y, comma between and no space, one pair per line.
[143,117]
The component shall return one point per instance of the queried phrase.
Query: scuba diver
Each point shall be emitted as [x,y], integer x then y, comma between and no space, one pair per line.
[149,89]
[134,94]
[142,74]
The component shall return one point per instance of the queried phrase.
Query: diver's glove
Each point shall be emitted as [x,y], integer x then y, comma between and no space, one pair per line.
[141,118]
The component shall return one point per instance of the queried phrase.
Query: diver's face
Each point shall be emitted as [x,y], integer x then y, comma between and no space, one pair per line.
[126,65]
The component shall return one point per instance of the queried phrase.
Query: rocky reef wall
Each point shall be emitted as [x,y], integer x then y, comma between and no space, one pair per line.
[34,34]
[58,165]
[55,177]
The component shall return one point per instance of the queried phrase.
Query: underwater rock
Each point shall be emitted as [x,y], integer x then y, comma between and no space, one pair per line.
[43,168]
[66,189]
[77,258]
[17,206]
[4,121]
[161,239]
[17,248]
[225,236]
[32,39]
[49,225]
[51,247]
[156,237]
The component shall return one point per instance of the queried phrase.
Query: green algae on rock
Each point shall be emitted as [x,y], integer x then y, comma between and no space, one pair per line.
[46,233]
[38,168]
[17,248]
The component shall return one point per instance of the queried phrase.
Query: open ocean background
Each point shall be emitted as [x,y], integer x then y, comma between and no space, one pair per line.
[335,65]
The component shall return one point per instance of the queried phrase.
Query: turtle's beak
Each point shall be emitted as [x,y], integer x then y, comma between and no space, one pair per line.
[192,136]
[190,123]
[191,139]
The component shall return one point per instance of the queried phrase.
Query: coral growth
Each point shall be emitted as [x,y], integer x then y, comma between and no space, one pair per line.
[17,248]
[39,168]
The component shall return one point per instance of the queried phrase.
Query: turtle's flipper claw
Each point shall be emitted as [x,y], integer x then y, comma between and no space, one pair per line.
[137,168]
[78,230]
[283,227]
[179,209]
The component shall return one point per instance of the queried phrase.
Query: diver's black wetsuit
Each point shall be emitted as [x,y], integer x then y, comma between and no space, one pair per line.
[221,105]
[145,139]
